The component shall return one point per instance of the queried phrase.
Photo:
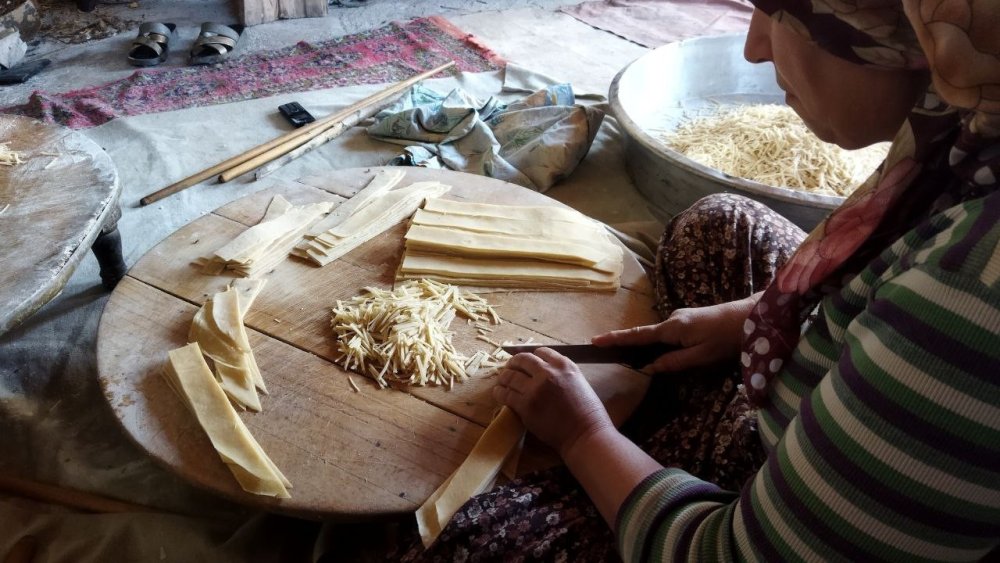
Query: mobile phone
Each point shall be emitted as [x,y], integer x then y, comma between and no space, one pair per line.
[296,114]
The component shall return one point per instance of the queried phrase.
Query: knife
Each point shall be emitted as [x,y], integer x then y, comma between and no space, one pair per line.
[633,356]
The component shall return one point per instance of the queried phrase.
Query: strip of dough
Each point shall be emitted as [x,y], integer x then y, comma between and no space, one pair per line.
[188,374]
[251,242]
[464,243]
[500,440]
[385,205]
[537,213]
[488,271]
[278,207]
[383,181]
[260,248]
[248,289]
[566,230]
[219,330]
[370,221]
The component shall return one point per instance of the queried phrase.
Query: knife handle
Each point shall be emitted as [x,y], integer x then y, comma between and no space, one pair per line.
[644,354]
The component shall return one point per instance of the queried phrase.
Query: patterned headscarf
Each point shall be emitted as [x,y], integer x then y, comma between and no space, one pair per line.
[947,151]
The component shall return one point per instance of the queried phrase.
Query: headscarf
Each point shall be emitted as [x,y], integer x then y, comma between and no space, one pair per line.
[947,151]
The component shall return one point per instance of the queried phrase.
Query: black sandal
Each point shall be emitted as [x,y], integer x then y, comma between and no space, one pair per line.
[215,43]
[152,45]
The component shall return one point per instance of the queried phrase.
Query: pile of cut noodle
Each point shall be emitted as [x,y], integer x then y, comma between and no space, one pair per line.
[770,144]
[404,334]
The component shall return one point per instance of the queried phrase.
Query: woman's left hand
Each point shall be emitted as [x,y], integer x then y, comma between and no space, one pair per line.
[552,398]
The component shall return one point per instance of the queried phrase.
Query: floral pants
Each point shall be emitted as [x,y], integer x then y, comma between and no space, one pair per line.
[724,247]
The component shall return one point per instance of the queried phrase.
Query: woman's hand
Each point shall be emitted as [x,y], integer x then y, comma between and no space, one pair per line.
[557,405]
[552,398]
[706,335]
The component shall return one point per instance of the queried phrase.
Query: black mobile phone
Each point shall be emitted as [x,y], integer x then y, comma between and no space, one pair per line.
[296,114]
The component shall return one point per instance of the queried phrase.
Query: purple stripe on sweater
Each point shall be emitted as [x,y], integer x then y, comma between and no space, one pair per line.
[940,343]
[805,377]
[905,421]
[759,542]
[958,253]
[842,546]
[700,491]
[878,265]
[927,229]
[684,541]
[894,499]
[637,492]
[838,303]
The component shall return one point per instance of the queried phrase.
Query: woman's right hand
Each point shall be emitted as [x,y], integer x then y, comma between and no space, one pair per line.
[705,335]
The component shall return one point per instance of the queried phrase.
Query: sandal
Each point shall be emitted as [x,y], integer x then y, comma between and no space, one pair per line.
[152,45]
[215,43]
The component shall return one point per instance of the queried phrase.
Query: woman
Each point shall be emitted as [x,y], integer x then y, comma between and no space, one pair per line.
[870,364]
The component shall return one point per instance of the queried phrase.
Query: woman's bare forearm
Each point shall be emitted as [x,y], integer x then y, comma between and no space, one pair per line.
[609,466]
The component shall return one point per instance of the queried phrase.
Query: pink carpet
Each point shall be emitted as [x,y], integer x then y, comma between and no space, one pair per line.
[652,23]
[388,54]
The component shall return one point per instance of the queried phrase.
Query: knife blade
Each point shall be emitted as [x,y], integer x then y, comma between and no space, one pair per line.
[633,356]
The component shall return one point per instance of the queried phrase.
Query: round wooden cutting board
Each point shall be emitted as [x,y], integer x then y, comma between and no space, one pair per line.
[347,453]
[52,208]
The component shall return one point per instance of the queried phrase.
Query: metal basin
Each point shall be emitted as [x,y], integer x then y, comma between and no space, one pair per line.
[652,95]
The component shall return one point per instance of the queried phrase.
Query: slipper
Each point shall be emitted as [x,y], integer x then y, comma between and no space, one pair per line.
[152,45]
[215,43]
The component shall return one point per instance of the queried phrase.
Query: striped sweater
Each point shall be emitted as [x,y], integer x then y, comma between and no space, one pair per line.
[882,431]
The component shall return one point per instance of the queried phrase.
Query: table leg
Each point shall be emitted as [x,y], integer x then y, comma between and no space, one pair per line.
[108,251]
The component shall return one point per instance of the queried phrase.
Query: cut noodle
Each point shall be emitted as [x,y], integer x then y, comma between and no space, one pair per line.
[403,335]
[770,144]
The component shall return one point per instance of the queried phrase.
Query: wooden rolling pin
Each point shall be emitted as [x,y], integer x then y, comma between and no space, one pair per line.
[78,500]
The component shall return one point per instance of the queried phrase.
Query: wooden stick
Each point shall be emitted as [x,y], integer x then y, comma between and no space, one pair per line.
[375,102]
[86,502]
[307,131]
[317,141]
[67,497]
[276,152]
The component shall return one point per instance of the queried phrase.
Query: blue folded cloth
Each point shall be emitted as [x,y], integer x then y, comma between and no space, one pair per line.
[533,142]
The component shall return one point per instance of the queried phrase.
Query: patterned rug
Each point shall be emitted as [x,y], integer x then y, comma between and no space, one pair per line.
[388,54]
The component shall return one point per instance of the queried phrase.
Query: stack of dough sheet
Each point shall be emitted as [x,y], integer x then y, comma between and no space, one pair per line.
[375,212]
[189,376]
[500,443]
[260,248]
[510,246]
[218,329]
[383,181]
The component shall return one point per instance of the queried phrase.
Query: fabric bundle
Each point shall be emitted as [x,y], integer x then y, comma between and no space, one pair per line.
[533,142]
